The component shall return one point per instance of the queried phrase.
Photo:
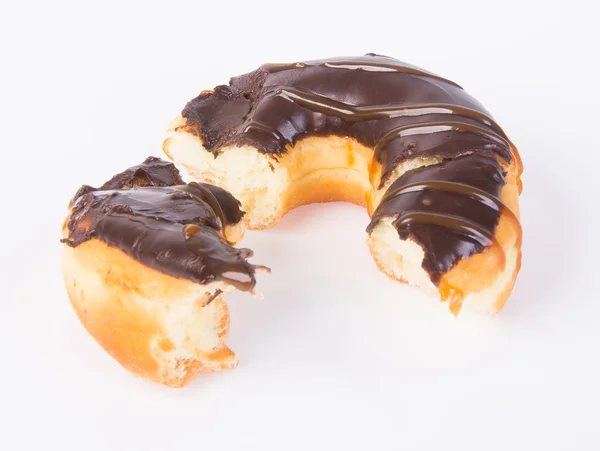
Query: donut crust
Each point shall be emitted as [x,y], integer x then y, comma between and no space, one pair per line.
[158,327]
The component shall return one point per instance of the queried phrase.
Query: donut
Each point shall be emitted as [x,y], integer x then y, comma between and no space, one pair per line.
[438,176]
[148,257]
[146,261]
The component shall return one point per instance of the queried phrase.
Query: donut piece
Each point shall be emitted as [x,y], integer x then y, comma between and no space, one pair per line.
[146,261]
[437,174]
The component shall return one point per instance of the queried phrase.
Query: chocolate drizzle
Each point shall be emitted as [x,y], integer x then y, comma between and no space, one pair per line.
[451,209]
[148,212]
[370,62]
[401,111]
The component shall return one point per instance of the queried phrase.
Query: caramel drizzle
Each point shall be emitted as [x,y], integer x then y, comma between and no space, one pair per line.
[435,127]
[193,231]
[358,65]
[461,225]
[459,188]
[456,223]
[452,187]
[262,128]
[451,221]
[352,113]
[448,292]
[519,165]
[273,68]
[212,201]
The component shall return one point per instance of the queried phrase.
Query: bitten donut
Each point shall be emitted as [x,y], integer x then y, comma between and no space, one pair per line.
[146,261]
[438,176]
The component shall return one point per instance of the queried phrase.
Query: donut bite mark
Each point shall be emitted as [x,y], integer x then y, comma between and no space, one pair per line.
[146,262]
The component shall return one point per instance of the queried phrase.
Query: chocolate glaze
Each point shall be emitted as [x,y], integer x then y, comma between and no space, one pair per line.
[451,209]
[148,212]
[152,172]
[402,112]
[159,173]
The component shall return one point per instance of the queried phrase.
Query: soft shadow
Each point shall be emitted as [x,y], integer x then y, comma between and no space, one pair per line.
[322,277]
[550,244]
[316,254]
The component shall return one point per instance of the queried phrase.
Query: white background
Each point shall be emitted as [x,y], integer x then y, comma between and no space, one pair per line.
[337,356]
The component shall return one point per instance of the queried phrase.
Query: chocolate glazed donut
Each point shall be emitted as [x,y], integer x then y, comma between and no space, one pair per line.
[416,149]
[147,257]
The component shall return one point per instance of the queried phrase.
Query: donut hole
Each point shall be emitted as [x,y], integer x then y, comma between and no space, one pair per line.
[331,169]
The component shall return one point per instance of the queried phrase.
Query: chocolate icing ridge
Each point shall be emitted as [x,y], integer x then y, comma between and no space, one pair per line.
[149,213]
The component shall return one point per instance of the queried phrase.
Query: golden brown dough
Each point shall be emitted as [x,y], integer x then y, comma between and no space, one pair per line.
[157,326]
[145,264]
